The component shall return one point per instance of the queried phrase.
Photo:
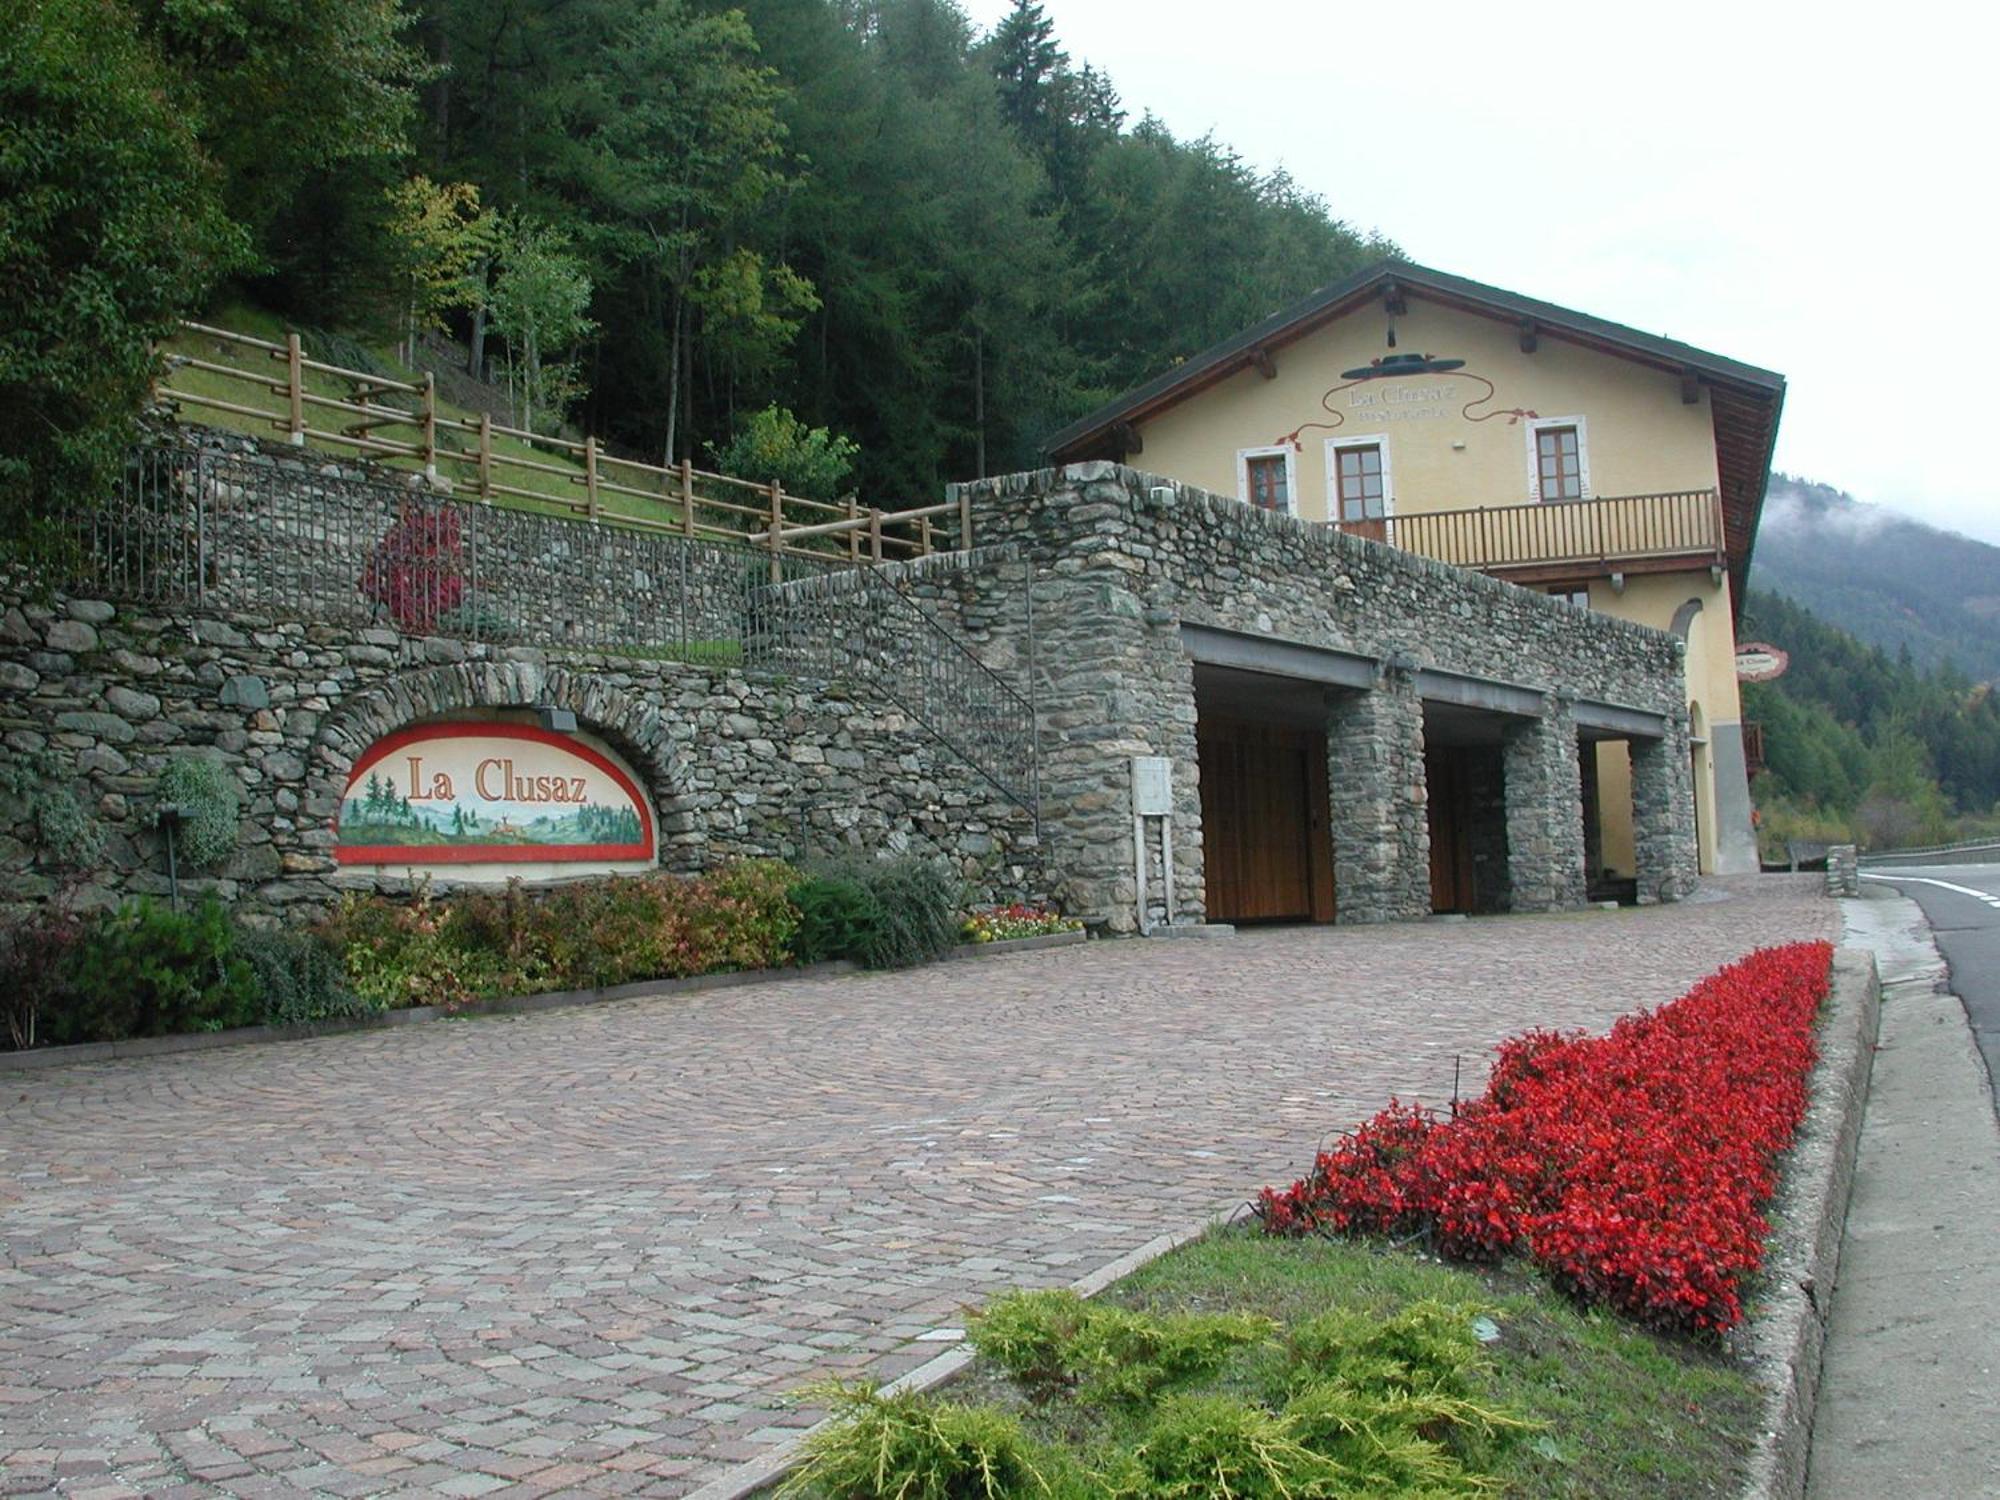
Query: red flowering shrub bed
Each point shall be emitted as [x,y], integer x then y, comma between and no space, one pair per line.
[1632,1165]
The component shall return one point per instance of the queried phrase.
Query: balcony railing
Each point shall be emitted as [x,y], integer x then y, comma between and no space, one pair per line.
[1579,535]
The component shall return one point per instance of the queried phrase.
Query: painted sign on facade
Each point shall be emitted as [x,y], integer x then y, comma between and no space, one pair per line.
[1758,662]
[481,793]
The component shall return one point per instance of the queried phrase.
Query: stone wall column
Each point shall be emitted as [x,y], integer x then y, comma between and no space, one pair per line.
[1375,778]
[1544,792]
[1114,682]
[1663,838]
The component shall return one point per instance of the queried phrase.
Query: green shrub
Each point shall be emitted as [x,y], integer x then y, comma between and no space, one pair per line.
[915,1448]
[742,917]
[588,934]
[207,794]
[400,955]
[1201,1447]
[773,444]
[1428,1346]
[66,836]
[299,977]
[147,971]
[1393,1441]
[839,917]
[919,902]
[1054,1341]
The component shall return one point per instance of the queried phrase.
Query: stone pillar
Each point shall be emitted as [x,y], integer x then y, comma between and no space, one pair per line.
[1375,779]
[1114,682]
[1663,839]
[1544,792]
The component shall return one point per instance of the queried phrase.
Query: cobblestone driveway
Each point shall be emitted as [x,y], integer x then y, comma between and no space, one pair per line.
[591,1249]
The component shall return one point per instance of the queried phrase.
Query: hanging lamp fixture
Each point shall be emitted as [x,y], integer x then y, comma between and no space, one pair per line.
[1390,365]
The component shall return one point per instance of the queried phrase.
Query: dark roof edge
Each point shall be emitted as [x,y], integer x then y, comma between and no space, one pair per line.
[1419,278]
[1738,593]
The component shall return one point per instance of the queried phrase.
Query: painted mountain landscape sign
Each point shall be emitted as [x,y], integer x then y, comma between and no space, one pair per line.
[490,794]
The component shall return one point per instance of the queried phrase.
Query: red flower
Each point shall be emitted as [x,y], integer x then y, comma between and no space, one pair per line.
[1632,1165]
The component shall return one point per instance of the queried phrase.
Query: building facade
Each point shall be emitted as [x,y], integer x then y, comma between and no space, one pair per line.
[1616,470]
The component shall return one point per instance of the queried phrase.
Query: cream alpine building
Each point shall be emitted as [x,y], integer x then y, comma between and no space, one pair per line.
[1556,450]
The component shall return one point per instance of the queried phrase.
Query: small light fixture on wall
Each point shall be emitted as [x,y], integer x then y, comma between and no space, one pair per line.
[169,816]
[555,720]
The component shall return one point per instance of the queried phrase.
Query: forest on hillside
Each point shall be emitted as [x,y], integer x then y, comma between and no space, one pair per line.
[1864,745]
[661,216]
[1886,578]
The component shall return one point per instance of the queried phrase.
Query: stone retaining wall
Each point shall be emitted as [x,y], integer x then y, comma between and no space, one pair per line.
[738,762]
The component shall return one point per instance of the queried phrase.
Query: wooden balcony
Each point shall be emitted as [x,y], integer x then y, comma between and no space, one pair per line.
[1561,540]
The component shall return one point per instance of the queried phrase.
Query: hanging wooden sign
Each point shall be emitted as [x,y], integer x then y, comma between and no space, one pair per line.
[483,793]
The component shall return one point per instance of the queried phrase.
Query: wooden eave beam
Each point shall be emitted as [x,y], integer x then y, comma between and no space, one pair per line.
[1393,301]
[1690,386]
[1530,336]
[1127,439]
[1263,364]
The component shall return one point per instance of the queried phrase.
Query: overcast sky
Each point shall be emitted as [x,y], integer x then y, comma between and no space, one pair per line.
[1807,188]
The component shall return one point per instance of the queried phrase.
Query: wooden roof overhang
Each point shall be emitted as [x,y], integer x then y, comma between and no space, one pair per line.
[1745,402]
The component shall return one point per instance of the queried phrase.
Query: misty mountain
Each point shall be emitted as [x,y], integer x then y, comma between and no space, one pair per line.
[1888,580]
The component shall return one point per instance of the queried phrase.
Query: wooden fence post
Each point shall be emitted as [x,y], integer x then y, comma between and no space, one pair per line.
[923,536]
[295,392]
[875,532]
[590,476]
[687,499]
[777,531]
[486,457]
[430,426]
[853,531]
[965,520]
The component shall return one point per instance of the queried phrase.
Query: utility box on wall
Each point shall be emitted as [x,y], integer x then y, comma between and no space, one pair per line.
[1152,786]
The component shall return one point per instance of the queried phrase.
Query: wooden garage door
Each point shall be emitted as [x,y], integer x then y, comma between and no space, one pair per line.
[1450,812]
[1265,844]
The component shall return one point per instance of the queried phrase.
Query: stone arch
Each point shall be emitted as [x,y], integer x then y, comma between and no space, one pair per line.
[636,729]
[1683,620]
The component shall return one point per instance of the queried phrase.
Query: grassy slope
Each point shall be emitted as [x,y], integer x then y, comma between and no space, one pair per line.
[1624,1413]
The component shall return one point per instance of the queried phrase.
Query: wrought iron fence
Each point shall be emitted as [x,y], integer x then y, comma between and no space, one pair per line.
[281,539]
[313,540]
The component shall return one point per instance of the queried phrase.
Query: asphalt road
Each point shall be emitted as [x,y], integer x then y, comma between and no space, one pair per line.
[1962,903]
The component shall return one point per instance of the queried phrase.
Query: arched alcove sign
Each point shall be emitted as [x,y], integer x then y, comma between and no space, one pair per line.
[488,800]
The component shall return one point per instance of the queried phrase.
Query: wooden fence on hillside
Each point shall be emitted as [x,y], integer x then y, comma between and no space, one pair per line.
[379,417]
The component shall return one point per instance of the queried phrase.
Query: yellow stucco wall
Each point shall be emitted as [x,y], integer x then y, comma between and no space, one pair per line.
[1640,438]
[1654,599]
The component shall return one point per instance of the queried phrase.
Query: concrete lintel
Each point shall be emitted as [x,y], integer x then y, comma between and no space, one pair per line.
[1480,692]
[1634,723]
[1275,657]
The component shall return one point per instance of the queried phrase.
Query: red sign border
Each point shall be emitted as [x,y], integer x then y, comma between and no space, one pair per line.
[1777,653]
[494,854]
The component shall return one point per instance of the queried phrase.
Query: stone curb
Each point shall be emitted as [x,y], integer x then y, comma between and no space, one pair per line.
[501,1005]
[1016,945]
[756,1475]
[1784,1339]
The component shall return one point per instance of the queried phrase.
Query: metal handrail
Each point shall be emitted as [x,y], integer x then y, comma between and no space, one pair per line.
[866,624]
